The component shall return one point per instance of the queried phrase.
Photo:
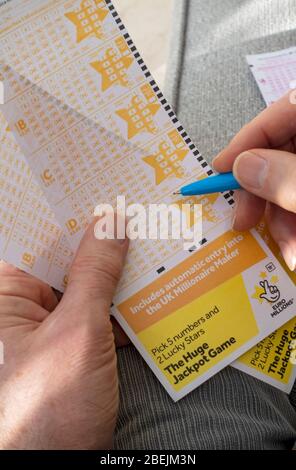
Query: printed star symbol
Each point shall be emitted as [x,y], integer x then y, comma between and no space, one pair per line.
[114,73]
[88,19]
[263,275]
[208,213]
[207,202]
[189,211]
[258,291]
[167,162]
[139,116]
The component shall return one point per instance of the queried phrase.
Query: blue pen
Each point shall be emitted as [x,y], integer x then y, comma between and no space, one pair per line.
[213,184]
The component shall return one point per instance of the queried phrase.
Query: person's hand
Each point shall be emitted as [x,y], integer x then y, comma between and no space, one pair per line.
[58,384]
[262,157]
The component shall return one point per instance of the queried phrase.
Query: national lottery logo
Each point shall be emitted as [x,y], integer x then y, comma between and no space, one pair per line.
[267,291]
[270,292]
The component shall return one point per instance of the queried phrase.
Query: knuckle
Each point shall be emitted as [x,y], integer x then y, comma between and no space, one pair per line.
[102,266]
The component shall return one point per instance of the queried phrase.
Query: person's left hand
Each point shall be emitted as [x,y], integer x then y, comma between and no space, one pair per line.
[58,384]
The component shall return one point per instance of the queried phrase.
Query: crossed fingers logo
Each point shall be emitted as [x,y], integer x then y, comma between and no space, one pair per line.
[270,293]
[267,290]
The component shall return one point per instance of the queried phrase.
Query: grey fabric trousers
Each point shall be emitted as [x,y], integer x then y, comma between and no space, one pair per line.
[214,94]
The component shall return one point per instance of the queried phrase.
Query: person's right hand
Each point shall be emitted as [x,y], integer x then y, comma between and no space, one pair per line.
[262,158]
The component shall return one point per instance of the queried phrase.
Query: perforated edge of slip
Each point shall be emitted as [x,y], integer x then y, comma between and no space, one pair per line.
[168,109]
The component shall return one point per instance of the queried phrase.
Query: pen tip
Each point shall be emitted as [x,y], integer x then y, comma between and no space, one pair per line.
[176,192]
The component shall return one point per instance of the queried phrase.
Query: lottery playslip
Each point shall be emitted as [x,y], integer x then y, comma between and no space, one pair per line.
[83,122]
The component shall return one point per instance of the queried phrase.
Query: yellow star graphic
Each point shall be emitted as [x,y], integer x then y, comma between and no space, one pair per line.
[139,116]
[167,162]
[274,280]
[207,201]
[263,275]
[113,69]
[258,291]
[189,211]
[88,19]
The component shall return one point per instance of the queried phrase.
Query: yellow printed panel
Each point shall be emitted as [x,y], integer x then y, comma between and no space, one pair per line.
[192,340]
[224,258]
[272,355]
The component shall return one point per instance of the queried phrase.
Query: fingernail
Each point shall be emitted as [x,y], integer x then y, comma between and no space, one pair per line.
[251,170]
[288,255]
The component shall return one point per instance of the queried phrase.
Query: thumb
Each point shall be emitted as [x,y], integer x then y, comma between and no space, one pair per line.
[96,269]
[269,174]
